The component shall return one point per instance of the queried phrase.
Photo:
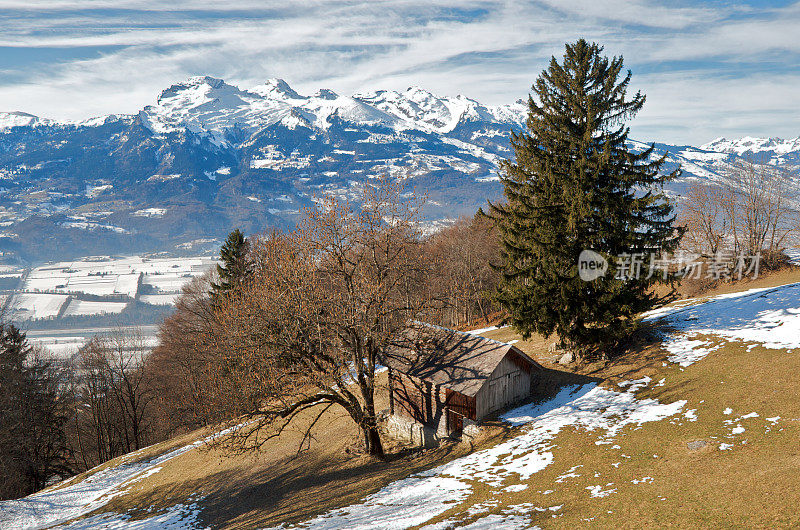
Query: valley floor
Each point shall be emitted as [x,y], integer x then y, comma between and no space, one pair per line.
[698,426]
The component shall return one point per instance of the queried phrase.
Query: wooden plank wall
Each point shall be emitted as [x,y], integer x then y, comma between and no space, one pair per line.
[508,384]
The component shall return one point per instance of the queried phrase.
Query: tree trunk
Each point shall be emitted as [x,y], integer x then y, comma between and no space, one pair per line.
[373,441]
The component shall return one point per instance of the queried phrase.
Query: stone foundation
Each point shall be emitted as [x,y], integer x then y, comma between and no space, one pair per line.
[409,431]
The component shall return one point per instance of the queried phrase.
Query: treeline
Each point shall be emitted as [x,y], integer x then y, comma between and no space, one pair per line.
[752,212]
[59,419]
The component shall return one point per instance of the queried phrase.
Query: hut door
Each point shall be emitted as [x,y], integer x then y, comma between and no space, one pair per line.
[455,421]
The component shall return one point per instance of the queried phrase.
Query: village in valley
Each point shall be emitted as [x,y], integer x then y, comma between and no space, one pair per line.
[254,308]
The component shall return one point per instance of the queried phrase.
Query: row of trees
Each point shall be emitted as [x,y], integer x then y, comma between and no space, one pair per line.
[754,210]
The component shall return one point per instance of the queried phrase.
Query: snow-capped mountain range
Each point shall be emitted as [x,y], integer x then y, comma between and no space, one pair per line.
[209,156]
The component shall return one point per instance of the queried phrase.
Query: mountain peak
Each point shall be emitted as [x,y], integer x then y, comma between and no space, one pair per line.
[324,93]
[18,119]
[196,83]
[276,88]
[213,82]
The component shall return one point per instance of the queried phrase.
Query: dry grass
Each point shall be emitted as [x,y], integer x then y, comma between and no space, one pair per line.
[753,485]
[278,484]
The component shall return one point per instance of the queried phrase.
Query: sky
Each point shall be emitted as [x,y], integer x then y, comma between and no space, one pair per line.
[709,69]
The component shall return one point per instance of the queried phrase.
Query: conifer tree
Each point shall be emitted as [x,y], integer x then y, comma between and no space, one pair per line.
[575,186]
[234,267]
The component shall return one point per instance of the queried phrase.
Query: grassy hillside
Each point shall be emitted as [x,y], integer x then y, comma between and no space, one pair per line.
[697,426]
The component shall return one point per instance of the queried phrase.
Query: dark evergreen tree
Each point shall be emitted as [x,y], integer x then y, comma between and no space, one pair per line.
[234,267]
[574,185]
[33,445]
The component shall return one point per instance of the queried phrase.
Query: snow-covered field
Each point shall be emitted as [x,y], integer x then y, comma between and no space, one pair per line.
[106,275]
[61,344]
[70,288]
[45,288]
[86,307]
[36,305]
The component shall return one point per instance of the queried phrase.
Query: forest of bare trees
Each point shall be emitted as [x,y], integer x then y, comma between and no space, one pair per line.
[754,211]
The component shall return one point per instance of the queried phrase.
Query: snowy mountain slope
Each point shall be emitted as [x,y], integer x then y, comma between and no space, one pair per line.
[211,156]
[773,150]
[19,119]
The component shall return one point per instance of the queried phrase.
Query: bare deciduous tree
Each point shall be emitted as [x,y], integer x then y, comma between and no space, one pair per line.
[306,331]
[752,212]
[114,396]
[177,362]
[463,278]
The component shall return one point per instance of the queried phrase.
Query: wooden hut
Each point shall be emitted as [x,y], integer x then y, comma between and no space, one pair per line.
[445,379]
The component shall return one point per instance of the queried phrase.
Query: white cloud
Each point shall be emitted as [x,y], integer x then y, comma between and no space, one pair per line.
[688,59]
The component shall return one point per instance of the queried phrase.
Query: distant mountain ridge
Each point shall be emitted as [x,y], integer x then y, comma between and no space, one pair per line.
[209,156]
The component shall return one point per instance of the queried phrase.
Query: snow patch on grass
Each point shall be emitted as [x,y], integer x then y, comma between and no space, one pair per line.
[405,503]
[59,504]
[178,517]
[599,492]
[420,497]
[767,316]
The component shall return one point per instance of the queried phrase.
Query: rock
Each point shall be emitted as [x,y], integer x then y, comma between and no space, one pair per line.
[553,347]
[696,445]
[472,430]
[567,358]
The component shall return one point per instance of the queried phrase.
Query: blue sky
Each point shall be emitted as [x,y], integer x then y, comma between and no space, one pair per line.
[709,69]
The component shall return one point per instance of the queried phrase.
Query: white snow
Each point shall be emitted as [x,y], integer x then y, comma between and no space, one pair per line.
[484,330]
[89,225]
[35,305]
[159,299]
[588,407]
[84,307]
[636,384]
[61,503]
[19,119]
[178,517]
[751,145]
[210,107]
[768,316]
[150,212]
[106,276]
[599,492]
[401,504]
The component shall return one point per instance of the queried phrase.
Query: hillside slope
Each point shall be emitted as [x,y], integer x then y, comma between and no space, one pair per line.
[697,427]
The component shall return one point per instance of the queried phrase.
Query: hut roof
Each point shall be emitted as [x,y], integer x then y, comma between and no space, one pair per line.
[453,359]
